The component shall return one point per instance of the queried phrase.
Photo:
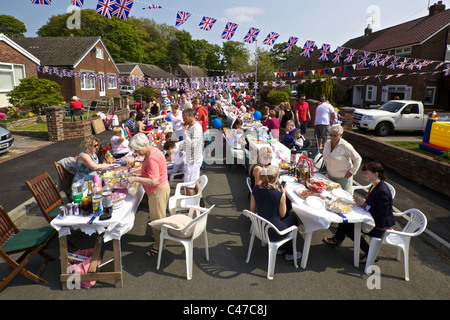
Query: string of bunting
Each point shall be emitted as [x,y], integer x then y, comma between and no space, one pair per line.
[122,8]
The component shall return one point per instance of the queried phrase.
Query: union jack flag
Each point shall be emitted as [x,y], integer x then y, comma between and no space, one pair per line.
[338,55]
[152,7]
[207,23]
[46,2]
[393,63]
[307,48]
[376,60]
[290,44]
[403,64]
[122,8]
[182,17]
[251,35]
[384,60]
[229,31]
[350,55]
[271,38]
[413,64]
[78,3]
[447,70]
[364,59]
[105,7]
[325,52]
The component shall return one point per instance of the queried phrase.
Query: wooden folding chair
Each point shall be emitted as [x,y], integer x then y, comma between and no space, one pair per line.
[66,179]
[30,242]
[47,195]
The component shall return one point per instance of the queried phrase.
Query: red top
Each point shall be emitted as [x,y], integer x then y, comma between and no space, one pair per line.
[302,110]
[77,104]
[201,115]
[154,166]
[272,123]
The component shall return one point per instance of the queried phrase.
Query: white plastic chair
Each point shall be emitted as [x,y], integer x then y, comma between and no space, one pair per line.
[400,239]
[180,201]
[199,223]
[391,188]
[260,228]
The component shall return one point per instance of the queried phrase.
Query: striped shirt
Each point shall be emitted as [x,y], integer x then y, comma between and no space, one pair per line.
[193,144]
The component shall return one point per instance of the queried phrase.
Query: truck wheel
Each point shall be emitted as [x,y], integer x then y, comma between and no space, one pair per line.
[383,129]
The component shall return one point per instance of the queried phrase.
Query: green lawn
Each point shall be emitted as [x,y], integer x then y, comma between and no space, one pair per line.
[414,146]
[42,126]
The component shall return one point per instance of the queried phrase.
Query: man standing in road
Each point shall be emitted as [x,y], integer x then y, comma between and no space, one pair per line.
[193,146]
[302,115]
[325,113]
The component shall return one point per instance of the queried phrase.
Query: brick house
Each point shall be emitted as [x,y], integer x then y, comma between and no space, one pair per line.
[130,71]
[188,71]
[15,63]
[86,56]
[426,38]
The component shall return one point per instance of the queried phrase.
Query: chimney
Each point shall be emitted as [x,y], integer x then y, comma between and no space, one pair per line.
[436,8]
[368,30]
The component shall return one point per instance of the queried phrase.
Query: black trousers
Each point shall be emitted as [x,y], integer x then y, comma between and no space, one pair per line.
[348,229]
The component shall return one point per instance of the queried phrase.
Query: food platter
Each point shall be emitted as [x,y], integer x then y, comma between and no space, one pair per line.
[330,184]
[306,193]
[340,205]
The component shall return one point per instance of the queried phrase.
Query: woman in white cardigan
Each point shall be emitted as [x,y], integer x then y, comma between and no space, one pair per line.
[341,159]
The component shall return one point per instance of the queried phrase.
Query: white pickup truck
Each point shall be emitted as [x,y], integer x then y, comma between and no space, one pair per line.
[394,115]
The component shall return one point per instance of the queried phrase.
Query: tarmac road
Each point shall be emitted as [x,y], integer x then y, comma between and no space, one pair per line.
[329,275]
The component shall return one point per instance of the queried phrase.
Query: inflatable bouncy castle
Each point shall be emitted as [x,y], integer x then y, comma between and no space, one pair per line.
[436,137]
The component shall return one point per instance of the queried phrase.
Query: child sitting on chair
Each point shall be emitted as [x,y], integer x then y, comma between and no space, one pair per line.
[299,139]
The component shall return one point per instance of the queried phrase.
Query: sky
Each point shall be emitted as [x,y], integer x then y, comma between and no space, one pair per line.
[323,21]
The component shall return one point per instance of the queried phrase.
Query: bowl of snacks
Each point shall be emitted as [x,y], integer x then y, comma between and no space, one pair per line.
[316,186]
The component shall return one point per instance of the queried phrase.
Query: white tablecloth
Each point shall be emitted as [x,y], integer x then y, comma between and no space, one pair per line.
[121,222]
[279,151]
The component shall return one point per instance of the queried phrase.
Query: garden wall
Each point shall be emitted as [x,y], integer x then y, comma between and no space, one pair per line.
[420,168]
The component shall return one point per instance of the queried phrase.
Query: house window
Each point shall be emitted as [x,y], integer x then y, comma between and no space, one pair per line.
[112,81]
[447,54]
[429,95]
[177,73]
[10,76]
[358,65]
[87,81]
[403,52]
[371,93]
[99,53]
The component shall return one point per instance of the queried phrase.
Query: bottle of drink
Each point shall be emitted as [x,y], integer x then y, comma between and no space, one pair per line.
[107,200]
[97,203]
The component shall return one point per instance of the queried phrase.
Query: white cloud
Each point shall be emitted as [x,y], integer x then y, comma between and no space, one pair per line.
[242,14]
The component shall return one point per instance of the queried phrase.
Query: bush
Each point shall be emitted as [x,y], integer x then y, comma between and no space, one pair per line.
[147,93]
[275,96]
[35,94]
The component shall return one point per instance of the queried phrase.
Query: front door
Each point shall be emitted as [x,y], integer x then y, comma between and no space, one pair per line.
[358,95]
[101,85]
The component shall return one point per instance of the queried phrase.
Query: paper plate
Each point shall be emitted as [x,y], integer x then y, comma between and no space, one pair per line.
[288,179]
[340,193]
[315,202]
[118,205]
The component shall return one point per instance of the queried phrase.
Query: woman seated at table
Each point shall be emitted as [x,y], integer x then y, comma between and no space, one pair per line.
[268,199]
[140,126]
[341,159]
[119,144]
[378,202]
[87,161]
[272,122]
[264,159]
[154,180]
[236,134]
[175,155]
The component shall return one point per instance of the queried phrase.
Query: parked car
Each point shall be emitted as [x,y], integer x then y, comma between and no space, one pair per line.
[127,89]
[394,115]
[6,140]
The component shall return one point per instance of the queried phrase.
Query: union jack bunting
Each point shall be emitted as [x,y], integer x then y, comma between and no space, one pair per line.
[251,35]
[207,23]
[78,3]
[290,44]
[307,48]
[105,7]
[152,7]
[229,31]
[376,60]
[338,55]
[413,64]
[122,8]
[182,17]
[350,55]
[440,64]
[364,59]
[384,60]
[325,52]
[271,38]
[402,64]
[394,63]
[447,70]
[46,2]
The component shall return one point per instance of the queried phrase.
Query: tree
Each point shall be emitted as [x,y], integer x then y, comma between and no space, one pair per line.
[35,94]
[313,89]
[11,27]
[279,57]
